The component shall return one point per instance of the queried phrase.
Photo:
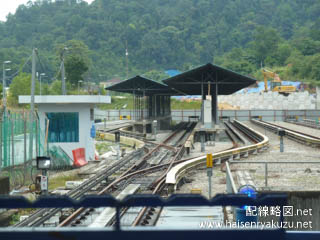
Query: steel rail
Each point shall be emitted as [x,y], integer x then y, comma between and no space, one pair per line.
[176,173]
[125,175]
[44,214]
[292,134]
[159,183]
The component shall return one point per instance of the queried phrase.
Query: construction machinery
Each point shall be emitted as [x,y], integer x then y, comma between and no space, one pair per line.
[276,83]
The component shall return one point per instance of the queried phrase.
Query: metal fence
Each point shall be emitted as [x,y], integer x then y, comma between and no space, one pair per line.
[231,187]
[241,115]
[15,150]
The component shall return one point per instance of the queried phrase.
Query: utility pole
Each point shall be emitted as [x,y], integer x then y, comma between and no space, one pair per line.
[127,59]
[4,160]
[33,82]
[63,73]
[4,97]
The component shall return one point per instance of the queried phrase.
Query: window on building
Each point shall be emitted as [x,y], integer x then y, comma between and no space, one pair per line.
[91,114]
[63,127]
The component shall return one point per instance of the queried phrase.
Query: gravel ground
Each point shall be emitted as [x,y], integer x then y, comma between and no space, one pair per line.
[199,180]
[161,136]
[283,177]
[198,177]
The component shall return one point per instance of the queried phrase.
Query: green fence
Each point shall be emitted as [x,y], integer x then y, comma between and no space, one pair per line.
[22,140]
[17,131]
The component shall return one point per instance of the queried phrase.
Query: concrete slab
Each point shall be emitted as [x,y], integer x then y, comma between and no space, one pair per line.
[107,214]
[189,217]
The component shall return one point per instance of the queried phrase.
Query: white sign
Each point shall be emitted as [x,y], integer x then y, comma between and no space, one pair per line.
[44,183]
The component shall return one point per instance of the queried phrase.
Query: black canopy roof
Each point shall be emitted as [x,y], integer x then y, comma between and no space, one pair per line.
[190,82]
[142,86]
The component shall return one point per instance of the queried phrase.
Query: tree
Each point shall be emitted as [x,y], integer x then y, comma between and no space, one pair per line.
[55,88]
[265,43]
[159,34]
[237,60]
[21,85]
[315,68]
[156,75]
[307,46]
[77,60]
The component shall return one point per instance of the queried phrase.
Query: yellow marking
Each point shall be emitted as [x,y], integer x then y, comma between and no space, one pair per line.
[209,160]
[196,191]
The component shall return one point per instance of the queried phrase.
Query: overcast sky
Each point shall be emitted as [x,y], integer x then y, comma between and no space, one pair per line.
[7,6]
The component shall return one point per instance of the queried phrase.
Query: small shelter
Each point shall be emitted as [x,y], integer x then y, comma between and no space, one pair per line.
[209,80]
[70,120]
[151,99]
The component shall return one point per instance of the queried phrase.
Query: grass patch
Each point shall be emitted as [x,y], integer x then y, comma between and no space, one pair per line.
[60,181]
[177,104]
[103,147]
[219,174]
[15,218]
[127,104]
[259,177]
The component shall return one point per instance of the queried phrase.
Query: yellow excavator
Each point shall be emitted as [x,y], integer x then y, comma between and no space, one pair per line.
[276,83]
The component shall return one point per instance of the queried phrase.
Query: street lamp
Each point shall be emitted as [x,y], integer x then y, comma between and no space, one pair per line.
[4,83]
[42,74]
[80,81]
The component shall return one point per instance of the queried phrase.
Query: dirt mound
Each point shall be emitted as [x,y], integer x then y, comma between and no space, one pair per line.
[227,106]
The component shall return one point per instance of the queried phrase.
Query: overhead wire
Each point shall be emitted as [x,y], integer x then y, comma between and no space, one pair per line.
[39,60]
[20,70]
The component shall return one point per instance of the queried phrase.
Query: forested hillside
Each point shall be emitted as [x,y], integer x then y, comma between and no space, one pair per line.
[165,34]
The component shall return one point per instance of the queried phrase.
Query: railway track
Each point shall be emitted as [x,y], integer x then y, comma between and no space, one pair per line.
[179,134]
[150,216]
[141,169]
[143,217]
[259,143]
[305,123]
[39,217]
[292,134]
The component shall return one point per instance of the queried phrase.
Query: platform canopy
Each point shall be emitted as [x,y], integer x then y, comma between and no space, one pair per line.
[142,86]
[197,81]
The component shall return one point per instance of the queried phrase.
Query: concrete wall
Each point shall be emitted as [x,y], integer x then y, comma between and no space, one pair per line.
[85,141]
[270,101]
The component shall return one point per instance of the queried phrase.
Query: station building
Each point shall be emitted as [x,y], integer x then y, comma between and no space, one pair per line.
[151,99]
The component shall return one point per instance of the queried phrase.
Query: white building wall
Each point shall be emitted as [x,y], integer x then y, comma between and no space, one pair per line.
[85,124]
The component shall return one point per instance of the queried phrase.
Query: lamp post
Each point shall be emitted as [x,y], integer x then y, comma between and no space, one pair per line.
[4,84]
[80,81]
[42,74]
[64,92]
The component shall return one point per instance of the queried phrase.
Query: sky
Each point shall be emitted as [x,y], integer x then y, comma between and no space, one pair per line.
[10,6]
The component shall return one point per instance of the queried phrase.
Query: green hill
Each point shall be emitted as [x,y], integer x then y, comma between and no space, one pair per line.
[164,34]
